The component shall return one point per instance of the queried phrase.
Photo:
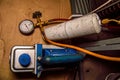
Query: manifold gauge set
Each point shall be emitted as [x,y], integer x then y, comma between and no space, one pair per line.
[39,57]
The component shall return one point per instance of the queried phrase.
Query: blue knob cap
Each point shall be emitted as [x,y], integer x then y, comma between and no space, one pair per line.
[24,60]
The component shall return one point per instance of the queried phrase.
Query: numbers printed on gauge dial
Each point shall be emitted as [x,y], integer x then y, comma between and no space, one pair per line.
[26,26]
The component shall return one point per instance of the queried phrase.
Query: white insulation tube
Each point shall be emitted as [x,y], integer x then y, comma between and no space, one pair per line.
[88,24]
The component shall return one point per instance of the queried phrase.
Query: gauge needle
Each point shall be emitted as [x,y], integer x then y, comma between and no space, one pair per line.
[26,26]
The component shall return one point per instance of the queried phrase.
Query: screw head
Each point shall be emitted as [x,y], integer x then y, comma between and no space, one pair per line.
[39,58]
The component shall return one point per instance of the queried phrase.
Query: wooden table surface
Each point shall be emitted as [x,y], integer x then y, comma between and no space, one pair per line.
[11,13]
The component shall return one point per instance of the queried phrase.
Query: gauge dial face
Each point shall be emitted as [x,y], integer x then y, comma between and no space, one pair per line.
[26,27]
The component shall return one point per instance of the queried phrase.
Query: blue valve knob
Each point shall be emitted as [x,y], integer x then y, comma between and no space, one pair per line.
[24,60]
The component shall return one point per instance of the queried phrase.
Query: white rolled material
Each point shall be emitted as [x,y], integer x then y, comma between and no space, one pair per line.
[88,24]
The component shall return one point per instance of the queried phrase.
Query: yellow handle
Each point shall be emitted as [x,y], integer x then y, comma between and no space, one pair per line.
[106,21]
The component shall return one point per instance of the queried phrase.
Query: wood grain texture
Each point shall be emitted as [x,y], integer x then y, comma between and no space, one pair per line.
[11,13]
[1,51]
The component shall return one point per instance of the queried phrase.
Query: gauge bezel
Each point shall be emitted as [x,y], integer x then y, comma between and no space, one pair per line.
[26,33]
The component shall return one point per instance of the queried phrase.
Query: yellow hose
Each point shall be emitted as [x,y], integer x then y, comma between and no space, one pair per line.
[106,21]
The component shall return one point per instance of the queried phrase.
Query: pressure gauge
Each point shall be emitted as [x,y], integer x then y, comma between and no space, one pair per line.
[26,26]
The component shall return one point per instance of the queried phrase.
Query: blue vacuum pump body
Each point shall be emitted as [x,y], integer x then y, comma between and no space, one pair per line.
[40,57]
